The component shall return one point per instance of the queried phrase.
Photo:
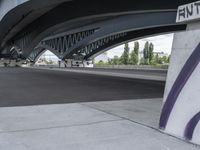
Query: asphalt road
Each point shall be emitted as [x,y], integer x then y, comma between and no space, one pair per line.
[156,72]
[23,86]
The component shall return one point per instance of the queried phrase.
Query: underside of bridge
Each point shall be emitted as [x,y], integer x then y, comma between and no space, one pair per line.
[74,29]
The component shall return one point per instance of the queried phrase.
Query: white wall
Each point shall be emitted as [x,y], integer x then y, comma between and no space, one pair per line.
[188,102]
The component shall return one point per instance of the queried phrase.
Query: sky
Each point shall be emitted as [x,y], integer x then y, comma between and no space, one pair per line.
[162,43]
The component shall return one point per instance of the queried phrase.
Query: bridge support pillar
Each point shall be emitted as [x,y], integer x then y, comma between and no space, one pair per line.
[181,109]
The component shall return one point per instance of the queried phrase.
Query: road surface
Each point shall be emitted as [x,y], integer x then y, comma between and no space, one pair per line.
[25,86]
[155,72]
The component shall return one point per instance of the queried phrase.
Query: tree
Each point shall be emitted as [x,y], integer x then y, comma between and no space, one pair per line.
[134,54]
[100,62]
[125,56]
[146,53]
[110,62]
[50,62]
[156,58]
[136,48]
[115,60]
[165,59]
[168,60]
[142,61]
[133,58]
[151,54]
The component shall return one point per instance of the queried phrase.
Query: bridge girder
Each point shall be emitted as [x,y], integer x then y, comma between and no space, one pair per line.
[37,27]
[11,53]
[33,21]
[104,34]
[94,51]
[16,15]
[36,53]
[60,44]
[110,30]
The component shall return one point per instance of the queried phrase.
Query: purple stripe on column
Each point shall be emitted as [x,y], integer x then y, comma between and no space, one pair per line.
[180,82]
[189,130]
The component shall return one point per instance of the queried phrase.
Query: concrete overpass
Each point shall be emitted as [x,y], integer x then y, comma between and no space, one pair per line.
[80,29]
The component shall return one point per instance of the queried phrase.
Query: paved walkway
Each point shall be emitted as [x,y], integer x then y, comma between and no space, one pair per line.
[111,125]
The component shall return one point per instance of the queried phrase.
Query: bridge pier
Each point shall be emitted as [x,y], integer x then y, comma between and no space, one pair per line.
[181,110]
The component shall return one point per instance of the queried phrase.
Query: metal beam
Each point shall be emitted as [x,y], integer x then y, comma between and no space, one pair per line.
[29,23]
[60,44]
[34,56]
[133,35]
[89,12]
[125,24]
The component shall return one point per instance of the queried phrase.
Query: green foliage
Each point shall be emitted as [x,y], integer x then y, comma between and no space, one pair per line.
[136,48]
[134,54]
[100,62]
[151,54]
[168,60]
[125,56]
[146,53]
[116,60]
[50,62]
[133,58]
[164,59]
[160,60]
[142,61]
[47,62]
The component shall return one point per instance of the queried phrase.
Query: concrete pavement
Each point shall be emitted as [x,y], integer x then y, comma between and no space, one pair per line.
[86,126]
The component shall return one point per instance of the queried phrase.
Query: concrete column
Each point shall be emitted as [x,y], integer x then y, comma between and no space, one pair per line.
[181,109]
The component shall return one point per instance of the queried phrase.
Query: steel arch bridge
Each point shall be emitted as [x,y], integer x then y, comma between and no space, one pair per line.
[78,29]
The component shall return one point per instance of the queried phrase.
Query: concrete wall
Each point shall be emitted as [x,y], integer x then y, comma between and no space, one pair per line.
[163,67]
[181,111]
